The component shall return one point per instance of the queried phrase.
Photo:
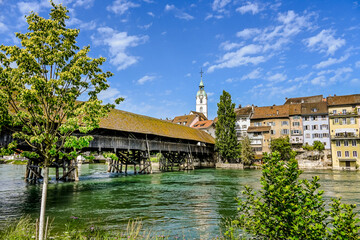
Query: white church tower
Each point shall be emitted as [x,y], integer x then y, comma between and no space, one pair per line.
[201,99]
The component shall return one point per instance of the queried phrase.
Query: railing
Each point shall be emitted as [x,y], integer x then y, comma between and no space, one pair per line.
[345,136]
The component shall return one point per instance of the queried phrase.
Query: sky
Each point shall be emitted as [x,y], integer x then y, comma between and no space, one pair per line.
[258,51]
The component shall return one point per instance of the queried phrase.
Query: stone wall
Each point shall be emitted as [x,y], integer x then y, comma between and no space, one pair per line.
[314,159]
[230,165]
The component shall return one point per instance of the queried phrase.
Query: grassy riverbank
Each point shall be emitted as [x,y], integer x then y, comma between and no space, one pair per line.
[13,161]
[75,228]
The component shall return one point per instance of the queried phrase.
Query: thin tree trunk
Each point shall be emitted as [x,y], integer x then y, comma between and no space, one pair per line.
[43,202]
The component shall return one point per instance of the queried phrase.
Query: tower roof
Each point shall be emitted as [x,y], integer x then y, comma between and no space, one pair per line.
[201,83]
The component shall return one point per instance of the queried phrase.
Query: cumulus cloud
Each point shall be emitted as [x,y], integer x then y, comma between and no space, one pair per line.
[145,79]
[84,3]
[239,58]
[249,7]
[266,41]
[248,33]
[255,74]
[218,5]
[118,43]
[325,42]
[110,94]
[227,46]
[331,61]
[121,6]
[178,13]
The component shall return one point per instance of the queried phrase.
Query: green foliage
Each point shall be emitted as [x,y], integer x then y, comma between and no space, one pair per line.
[23,229]
[247,152]
[318,146]
[283,146]
[226,140]
[40,82]
[289,208]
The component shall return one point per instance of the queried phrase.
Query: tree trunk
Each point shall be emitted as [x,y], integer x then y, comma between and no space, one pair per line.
[43,202]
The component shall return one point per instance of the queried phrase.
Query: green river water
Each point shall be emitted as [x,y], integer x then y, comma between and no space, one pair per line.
[194,204]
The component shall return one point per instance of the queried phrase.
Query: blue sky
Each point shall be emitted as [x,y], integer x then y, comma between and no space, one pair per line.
[259,51]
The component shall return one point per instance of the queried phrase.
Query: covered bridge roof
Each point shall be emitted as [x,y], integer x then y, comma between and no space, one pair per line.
[130,122]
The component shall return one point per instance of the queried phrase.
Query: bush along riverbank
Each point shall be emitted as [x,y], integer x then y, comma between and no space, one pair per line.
[289,208]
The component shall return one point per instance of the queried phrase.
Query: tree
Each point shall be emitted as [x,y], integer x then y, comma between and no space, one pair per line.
[283,146]
[226,140]
[318,146]
[289,208]
[40,82]
[247,153]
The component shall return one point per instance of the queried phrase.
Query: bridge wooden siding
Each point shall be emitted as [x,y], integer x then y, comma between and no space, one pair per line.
[134,138]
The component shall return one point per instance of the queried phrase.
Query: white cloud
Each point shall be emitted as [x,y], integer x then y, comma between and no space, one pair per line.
[209,16]
[248,33]
[110,94]
[210,94]
[146,26]
[151,14]
[331,61]
[3,27]
[188,75]
[341,74]
[121,6]
[169,7]
[206,64]
[325,42]
[84,3]
[193,61]
[227,46]
[178,13]
[145,79]
[250,7]
[73,21]
[218,5]
[319,81]
[357,64]
[278,77]
[118,43]
[255,74]
[26,7]
[239,58]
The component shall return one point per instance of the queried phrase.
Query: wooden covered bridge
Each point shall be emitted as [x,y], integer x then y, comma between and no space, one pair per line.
[134,138]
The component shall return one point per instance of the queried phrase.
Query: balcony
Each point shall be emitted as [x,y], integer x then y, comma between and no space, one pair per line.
[341,114]
[345,135]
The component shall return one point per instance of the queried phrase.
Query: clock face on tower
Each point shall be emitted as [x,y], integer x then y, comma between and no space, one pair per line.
[201,96]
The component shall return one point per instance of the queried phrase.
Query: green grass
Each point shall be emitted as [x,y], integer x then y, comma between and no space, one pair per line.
[15,162]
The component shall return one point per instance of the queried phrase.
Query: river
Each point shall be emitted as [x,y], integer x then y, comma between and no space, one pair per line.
[194,204]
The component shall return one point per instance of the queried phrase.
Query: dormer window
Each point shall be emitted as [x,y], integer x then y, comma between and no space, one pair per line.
[314,110]
[344,111]
[334,111]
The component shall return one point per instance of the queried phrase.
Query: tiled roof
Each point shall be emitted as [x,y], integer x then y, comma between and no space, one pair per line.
[343,100]
[186,118]
[308,108]
[294,109]
[131,122]
[310,99]
[245,111]
[280,111]
[259,129]
[198,113]
[203,124]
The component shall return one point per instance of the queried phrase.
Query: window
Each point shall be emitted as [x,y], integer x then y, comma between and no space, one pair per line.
[338,153]
[271,123]
[306,118]
[358,110]
[324,127]
[257,124]
[316,135]
[284,131]
[314,127]
[296,117]
[334,112]
[346,143]
[314,109]
[307,127]
[352,120]
[336,120]
[354,153]
[296,132]
[244,126]
[323,117]
[325,135]
[347,154]
[284,123]
[344,111]
[296,124]
[201,109]
[307,135]
[272,132]
[200,100]
[338,143]
[353,143]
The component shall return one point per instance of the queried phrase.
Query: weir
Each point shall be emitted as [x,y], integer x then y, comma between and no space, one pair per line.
[133,139]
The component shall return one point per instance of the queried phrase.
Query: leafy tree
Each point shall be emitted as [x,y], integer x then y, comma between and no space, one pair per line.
[318,146]
[226,140]
[247,153]
[289,208]
[40,82]
[283,146]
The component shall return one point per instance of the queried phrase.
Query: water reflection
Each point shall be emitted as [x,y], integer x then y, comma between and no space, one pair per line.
[192,203]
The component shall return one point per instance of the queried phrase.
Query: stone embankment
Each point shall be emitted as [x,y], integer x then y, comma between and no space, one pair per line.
[314,159]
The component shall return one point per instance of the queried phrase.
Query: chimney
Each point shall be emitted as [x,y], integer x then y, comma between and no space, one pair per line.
[239,106]
[286,98]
